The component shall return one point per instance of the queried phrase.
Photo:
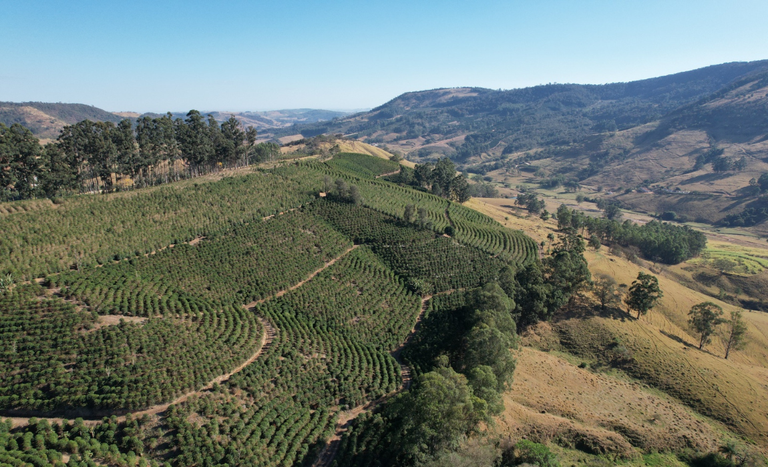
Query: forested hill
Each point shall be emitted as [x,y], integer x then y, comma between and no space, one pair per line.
[469,122]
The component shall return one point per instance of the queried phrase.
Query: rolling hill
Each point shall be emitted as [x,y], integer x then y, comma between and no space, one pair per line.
[654,142]
[475,124]
[46,120]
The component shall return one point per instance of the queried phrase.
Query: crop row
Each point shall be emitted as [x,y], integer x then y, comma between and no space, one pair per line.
[53,357]
[362,165]
[440,264]
[42,444]
[87,230]
[361,297]
[470,227]
[309,369]
[247,263]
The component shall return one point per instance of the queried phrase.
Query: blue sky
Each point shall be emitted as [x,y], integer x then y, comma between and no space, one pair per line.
[237,55]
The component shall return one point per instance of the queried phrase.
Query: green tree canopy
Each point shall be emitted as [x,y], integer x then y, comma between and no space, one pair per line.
[644,293]
[736,333]
[704,318]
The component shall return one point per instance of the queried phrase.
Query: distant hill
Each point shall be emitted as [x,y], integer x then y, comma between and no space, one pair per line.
[473,124]
[270,119]
[47,119]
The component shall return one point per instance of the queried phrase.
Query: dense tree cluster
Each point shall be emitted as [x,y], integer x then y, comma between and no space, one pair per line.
[464,362]
[541,288]
[657,241]
[97,156]
[530,200]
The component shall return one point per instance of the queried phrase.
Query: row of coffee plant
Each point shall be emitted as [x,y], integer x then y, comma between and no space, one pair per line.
[55,358]
[247,263]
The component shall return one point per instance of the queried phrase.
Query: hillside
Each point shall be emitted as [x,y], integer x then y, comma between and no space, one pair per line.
[473,124]
[266,316]
[615,382]
[281,311]
[46,120]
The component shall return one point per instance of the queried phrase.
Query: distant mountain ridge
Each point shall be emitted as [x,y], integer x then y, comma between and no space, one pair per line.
[46,120]
[474,124]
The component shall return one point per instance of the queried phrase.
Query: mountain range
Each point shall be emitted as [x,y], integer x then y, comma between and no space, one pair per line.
[476,124]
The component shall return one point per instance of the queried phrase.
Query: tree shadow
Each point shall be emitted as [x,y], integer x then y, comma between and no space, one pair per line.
[706,178]
[678,339]
[582,307]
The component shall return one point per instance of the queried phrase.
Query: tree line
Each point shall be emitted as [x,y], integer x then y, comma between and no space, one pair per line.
[101,156]
[656,241]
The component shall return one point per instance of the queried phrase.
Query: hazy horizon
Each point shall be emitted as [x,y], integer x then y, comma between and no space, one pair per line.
[152,57]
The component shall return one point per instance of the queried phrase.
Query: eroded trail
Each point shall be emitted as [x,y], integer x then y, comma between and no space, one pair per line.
[388,174]
[328,453]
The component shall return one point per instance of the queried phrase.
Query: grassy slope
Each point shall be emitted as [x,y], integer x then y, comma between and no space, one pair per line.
[731,391]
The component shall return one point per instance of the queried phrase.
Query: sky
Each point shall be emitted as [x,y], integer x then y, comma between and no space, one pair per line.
[158,56]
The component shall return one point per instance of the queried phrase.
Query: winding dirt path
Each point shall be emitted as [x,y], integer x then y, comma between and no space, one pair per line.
[390,173]
[309,278]
[266,341]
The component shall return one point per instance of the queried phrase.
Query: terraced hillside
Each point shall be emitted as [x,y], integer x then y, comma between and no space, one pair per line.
[230,321]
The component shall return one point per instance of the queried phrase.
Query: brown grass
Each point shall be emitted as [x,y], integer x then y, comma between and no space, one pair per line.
[657,350]
[552,398]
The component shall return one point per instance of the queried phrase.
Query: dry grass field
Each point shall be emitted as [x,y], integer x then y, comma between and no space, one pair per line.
[643,385]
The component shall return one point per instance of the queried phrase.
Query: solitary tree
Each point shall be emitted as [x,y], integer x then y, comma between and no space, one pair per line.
[567,271]
[354,195]
[342,189]
[327,184]
[563,217]
[424,221]
[606,290]
[643,294]
[594,242]
[736,333]
[704,318]
[410,213]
